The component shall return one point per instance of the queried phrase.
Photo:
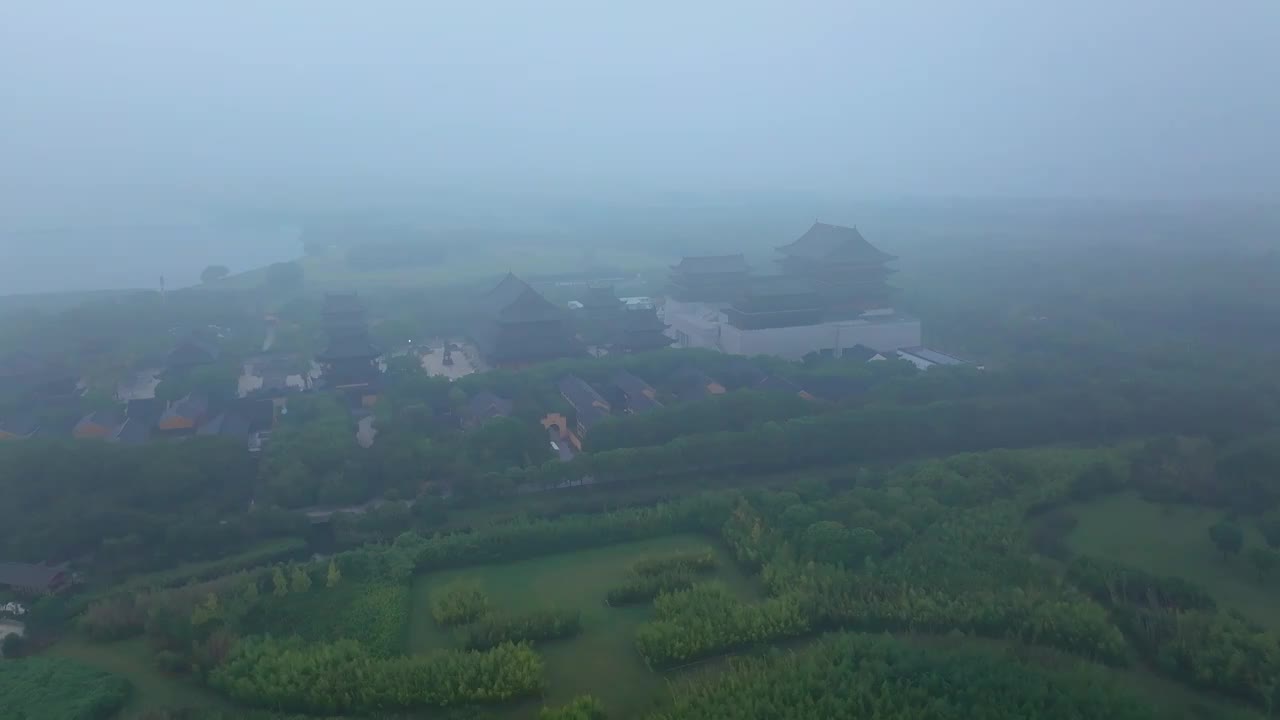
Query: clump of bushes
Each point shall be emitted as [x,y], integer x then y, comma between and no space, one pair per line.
[459,604]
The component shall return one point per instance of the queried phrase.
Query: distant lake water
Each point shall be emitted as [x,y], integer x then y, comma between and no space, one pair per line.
[116,257]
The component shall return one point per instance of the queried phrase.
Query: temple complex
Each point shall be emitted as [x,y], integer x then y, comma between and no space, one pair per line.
[519,327]
[830,293]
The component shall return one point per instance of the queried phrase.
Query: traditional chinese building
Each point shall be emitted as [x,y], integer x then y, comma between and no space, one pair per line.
[349,356]
[519,327]
[831,293]
[848,272]
[777,301]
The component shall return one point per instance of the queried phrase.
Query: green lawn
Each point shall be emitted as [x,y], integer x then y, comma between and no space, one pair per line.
[131,660]
[1174,540]
[601,660]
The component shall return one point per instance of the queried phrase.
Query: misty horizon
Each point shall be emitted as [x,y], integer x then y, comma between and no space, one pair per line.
[1139,100]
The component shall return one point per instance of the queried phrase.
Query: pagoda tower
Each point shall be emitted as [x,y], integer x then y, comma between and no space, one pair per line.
[849,273]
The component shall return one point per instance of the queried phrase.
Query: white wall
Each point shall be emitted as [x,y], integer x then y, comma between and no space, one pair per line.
[794,343]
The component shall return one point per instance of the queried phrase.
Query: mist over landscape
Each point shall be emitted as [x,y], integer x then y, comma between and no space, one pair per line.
[160,118]
[663,361]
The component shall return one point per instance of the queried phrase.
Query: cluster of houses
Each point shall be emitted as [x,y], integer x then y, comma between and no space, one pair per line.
[138,420]
[829,297]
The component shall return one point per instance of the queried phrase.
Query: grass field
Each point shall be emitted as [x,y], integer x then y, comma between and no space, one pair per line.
[152,689]
[601,660]
[1174,540]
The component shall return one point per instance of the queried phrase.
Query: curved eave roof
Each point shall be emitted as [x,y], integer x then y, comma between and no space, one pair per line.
[834,242]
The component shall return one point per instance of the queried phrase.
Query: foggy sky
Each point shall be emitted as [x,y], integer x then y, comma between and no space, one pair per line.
[976,98]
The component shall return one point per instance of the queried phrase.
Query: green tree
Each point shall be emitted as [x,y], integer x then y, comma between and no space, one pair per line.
[583,707]
[284,275]
[334,576]
[1228,537]
[280,583]
[13,646]
[213,273]
[1264,560]
[300,582]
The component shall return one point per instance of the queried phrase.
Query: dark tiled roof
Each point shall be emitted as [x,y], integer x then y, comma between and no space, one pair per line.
[638,393]
[834,242]
[485,406]
[147,409]
[100,418]
[191,407]
[226,424]
[589,405]
[28,576]
[859,353]
[192,350]
[712,264]
[642,319]
[692,384]
[133,431]
[514,300]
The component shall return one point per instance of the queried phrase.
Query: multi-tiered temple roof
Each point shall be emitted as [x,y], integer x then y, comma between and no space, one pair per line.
[847,271]
[349,353]
[519,326]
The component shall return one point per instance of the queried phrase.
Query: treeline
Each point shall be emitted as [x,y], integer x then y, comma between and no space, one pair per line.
[134,508]
[734,412]
[344,677]
[872,433]
[853,677]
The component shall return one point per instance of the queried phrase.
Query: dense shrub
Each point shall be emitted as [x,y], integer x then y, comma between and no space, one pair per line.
[693,561]
[46,687]
[534,627]
[1113,584]
[459,604]
[850,677]
[707,620]
[376,613]
[344,677]
[583,707]
[643,588]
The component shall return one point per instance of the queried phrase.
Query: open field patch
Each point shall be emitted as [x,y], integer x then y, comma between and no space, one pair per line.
[1174,540]
[601,659]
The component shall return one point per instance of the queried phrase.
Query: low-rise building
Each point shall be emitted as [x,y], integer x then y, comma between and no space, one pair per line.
[33,579]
